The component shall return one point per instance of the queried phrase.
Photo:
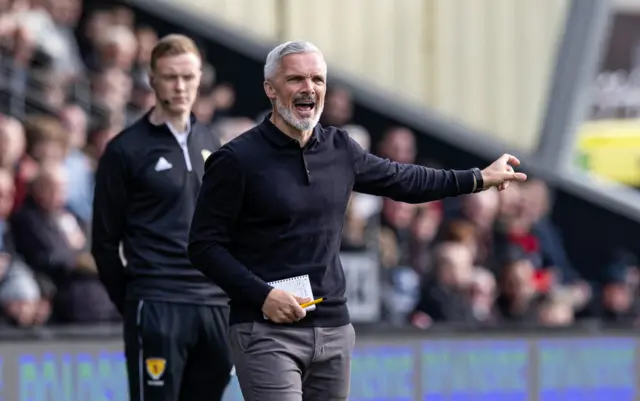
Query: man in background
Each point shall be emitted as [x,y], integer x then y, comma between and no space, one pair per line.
[175,319]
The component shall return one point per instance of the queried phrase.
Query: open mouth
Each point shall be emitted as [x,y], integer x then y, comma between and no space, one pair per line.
[304,105]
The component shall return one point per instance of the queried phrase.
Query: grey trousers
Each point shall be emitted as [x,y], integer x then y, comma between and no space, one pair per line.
[278,363]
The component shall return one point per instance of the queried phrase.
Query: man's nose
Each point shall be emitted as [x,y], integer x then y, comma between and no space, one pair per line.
[180,85]
[309,87]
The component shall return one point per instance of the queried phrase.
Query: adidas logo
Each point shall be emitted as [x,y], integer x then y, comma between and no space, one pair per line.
[163,164]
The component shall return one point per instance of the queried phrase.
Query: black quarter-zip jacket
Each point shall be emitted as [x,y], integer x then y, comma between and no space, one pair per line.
[144,198]
[270,210]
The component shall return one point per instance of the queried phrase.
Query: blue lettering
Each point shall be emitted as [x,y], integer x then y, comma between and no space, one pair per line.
[28,379]
[85,375]
[467,369]
[592,369]
[382,373]
[67,377]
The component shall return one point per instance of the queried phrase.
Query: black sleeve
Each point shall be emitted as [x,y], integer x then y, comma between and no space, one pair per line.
[408,183]
[212,230]
[110,202]
[35,246]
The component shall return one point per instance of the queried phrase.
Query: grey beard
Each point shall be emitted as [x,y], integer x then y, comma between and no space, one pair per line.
[300,125]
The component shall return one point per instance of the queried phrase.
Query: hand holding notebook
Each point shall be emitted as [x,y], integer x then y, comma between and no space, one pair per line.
[279,306]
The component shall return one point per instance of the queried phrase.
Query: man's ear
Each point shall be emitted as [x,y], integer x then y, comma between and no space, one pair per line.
[269,90]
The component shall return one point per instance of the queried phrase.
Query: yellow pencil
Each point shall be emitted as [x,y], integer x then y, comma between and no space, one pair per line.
[315,301]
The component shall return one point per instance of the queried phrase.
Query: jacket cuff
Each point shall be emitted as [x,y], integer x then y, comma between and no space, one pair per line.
[465,180]
[260,293]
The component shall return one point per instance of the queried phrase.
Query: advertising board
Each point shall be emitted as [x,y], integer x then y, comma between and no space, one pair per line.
[384,368]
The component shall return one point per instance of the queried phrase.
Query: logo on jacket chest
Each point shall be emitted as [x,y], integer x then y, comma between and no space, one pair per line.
[205,154]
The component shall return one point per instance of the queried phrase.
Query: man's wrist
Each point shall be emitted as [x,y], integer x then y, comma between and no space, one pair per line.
[262,293]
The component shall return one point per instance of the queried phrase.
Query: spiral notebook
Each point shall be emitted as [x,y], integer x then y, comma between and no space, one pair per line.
[299,286]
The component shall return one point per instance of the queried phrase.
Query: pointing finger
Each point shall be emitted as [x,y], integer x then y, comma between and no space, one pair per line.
[515,177]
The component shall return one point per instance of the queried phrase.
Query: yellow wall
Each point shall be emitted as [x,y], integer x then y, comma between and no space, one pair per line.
[485,62]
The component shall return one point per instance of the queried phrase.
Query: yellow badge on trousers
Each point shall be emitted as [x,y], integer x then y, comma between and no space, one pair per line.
[205,154]
[156,367]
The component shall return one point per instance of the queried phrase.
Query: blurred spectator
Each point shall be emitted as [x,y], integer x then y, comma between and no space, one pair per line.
[146,38]
[555,312]
[66,14]
[398,144]
[463,232]
[365,205]
[205,109]
[445,294]
[208,80]
[105,127]
[77,164]
[142,100]
[510,202]
[51,22]
[20,48]
[424,230]
[354,232]
[112,88]
[123,16]
[53,243]
[13,156]
[526,231]
[338,108]
[616,298]
[223,97]
[97,22]
[400,293]
[397,218]
[116,47]
[619,302]
[483,293]
[47,140]
[230,128]
[12,143]
[206,105]
[52,89]
[21,300]
[537,204]
[360,135]
[481,210]
[518,300]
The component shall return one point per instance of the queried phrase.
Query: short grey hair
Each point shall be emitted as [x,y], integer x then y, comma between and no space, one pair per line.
[293,47]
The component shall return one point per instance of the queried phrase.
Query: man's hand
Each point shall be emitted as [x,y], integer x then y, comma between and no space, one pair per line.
[282,307]
[500,173]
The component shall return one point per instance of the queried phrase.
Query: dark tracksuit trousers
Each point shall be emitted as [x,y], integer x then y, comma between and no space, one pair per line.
[176,352]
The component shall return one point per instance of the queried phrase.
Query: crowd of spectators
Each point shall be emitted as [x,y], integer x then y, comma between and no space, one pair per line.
[481,260]
[66,90]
